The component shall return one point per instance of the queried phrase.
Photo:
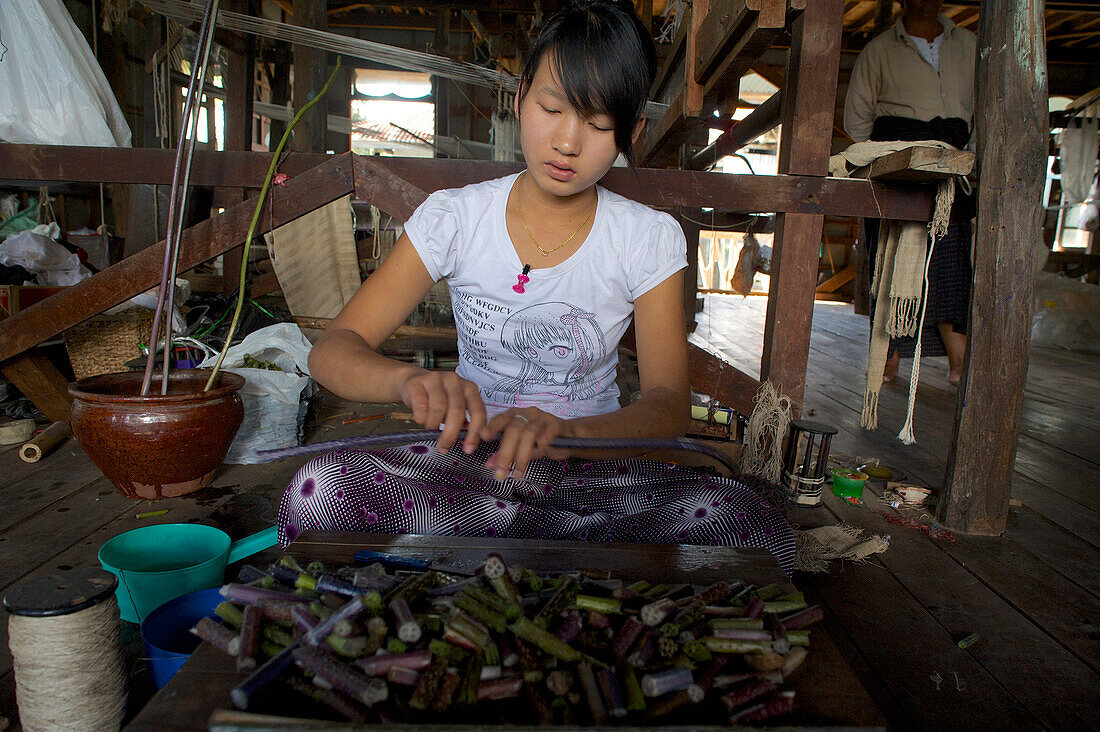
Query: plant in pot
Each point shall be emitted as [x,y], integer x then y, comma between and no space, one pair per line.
[169,443]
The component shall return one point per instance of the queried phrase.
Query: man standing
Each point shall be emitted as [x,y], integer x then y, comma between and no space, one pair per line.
[916,82]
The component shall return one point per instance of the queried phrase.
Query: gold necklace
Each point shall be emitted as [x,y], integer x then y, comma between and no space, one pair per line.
[523,221]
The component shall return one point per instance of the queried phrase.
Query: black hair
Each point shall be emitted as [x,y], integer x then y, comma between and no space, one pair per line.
[605,60]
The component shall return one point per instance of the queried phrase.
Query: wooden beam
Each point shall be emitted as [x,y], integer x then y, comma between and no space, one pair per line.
[1011,114]
[730,40]
[726,23]
[310,73]
[809,100]
[691,229]
[41,382]
[837,281]
[141,271]
[381,188]
[918,165]
[762,119]
[239,81]
[725,382]
[657,188]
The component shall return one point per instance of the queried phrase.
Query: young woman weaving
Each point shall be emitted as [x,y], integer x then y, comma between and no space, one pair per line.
[546,269]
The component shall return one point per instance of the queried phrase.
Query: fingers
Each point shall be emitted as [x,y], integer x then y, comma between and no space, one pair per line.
[524,436]
[454,414]
[443,400]
[475,411]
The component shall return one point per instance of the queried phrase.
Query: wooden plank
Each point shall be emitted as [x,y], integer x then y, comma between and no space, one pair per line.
[657,188]
[38,379]
[1011,111]
[655,562]
[1028,586]
[838,280]
[310,72]
[1062,552]
[762,32]
[954,605]
[809,97]
[728,384]
[808,105]
[918,165]
[137,273]
[68,163]
[385,189]
[762,119]
[891,627]
[1058,470]
[54,478]
[685,115]
[726,23]
[923,461]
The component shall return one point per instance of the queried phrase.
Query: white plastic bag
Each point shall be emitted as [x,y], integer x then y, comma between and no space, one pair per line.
[274,406]
[52,91]
[35,251]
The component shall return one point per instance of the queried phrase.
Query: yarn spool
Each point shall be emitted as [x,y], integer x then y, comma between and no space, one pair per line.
[63,631]
[802,476]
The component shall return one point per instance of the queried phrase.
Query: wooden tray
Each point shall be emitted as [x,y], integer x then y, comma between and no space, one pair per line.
[828,694]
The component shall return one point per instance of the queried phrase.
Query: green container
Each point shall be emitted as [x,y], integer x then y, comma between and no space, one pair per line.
[155,564]
[848,483]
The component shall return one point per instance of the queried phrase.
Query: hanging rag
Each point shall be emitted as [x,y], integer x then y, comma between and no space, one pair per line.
[900,278]
[1077,147]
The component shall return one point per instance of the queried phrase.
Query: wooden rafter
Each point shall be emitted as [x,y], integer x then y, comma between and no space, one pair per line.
[658,188]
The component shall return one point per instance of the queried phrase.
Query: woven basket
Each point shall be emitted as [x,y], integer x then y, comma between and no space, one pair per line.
[103,344]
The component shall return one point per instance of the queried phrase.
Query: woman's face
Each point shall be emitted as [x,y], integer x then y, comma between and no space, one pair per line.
[566,152]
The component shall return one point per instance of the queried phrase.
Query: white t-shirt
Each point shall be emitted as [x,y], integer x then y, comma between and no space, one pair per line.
[552,342]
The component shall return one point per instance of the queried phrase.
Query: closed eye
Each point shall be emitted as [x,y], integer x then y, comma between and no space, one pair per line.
[548,110]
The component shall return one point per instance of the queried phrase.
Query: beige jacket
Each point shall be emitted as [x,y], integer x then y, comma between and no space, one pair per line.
[891,78]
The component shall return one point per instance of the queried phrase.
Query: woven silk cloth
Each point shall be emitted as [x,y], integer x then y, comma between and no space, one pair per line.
[417,490]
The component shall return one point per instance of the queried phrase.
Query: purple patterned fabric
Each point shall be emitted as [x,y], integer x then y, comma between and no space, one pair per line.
[417,490]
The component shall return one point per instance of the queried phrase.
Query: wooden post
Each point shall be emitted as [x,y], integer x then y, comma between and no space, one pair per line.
[440,86]
[809,99]
[310,73]
[691,275]
[339,104]
[1011,124]
[239,82]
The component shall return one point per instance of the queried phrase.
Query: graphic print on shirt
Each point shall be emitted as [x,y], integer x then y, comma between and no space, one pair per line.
[557,345]
[476,318]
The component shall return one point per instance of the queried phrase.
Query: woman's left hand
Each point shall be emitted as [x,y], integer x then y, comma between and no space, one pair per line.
[525,434]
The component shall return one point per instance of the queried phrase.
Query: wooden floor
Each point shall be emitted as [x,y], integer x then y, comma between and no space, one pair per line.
[1030,596]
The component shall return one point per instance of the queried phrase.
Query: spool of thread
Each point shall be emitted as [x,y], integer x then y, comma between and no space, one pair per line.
[66,649]
[46,441]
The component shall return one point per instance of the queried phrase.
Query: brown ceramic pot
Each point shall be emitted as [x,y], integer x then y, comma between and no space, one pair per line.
[157,446]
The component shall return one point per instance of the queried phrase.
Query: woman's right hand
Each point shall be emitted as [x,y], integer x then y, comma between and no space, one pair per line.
[445,398]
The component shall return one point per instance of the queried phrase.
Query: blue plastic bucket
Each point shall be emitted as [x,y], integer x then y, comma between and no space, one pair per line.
[167,634]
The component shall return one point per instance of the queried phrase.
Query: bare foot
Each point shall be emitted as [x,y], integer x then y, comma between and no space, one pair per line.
[890,372]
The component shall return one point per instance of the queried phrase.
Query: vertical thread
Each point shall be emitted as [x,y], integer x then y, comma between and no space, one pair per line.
[69,670]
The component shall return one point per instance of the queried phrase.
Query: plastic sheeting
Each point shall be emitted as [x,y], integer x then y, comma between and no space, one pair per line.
[52,90]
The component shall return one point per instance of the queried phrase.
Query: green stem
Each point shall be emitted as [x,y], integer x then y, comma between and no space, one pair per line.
[255,221]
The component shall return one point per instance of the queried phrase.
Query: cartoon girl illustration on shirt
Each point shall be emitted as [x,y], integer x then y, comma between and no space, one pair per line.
[557,345]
